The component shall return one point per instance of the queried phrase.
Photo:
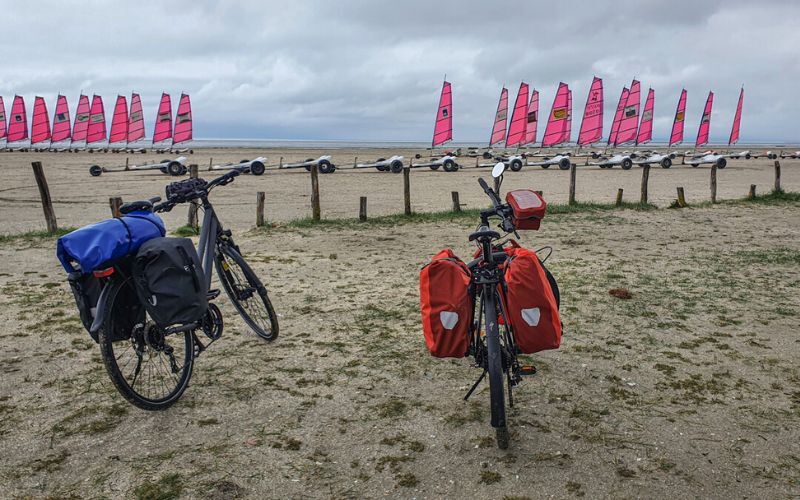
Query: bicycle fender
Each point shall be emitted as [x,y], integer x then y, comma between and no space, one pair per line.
[97,323]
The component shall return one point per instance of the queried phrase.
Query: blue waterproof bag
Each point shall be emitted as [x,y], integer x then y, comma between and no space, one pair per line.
[88,248]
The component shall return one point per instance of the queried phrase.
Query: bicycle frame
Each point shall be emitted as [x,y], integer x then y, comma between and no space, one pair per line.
[210,228]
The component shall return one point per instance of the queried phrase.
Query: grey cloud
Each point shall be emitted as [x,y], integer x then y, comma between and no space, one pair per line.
[372,70]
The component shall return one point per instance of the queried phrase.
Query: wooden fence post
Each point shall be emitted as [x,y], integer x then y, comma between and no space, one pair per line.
[126,162]
[714,183]
[619,197]
[362,209]
[778,176]
[191,219]
[456,203]
[316,213]
[681,198]
[115,202]
[260,197]
[44,193]
[407,189]
[210,162]
[645,179]
[572,174]
[752,194]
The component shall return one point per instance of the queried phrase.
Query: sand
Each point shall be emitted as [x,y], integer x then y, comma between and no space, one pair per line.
[81,199]
[689,389]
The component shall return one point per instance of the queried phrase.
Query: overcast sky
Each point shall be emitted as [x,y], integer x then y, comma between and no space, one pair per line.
[372,70]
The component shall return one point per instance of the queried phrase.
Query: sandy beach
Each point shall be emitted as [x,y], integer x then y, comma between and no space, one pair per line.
[81,199]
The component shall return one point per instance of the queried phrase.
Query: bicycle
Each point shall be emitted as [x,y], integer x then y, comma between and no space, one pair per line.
[151,366]
[495,353]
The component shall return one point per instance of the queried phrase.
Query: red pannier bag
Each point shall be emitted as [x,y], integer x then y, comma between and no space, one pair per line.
[446,305]
[530,302]
[528,207]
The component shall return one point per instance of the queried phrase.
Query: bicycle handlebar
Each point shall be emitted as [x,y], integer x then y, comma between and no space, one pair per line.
[501,210]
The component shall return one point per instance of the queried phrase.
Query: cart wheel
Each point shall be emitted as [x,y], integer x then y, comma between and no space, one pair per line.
[184,169]
[721,163]
[545,166]
[595,155]
[565,164]
[326,167]
[487,155]
[396,167]
[95,171]
[449,166]
[516,165]
[163,170]
[257,168]
[191,151]
[175,168]
[626,164]
[434,167]
[747,156]
[666,163]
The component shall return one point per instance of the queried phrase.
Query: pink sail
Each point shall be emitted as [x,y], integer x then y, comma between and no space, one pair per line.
[592,122]
[163,128]
[559,115]
[676,137]
[500,119]
[646,125]
[183,121]
[568,132]
[629,123]
[705,122]
[3,129]
[519,118]
[612,136]
[443,129]
[61,125]
[40,126]
[81,125]
[18,121]
[136,119]
[533,118]
[119,122]
[96,131]
[737,119]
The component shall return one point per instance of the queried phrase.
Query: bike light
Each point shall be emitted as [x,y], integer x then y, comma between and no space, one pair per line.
[103,273]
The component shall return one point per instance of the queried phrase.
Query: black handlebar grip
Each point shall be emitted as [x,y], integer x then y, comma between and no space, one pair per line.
[155,199]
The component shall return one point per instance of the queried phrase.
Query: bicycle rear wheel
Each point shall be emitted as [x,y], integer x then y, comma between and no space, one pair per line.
[246,292]
[151,370]
[495,368]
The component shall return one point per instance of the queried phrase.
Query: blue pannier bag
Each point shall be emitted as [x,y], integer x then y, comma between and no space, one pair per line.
[88,248]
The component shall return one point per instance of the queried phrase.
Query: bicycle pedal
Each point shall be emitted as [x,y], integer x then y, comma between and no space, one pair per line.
[212,294]
[527,370]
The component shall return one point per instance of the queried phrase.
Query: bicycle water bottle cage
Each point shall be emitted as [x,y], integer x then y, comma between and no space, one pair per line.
[185,190]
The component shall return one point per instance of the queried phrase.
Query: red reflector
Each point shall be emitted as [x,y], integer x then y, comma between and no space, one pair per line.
[103,273]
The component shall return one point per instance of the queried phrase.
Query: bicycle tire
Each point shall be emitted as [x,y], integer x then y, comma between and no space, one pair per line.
[495,369]
[227,259]
[122,308]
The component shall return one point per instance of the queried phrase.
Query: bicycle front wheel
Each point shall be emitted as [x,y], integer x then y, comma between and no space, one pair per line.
[246,292]
[495,368]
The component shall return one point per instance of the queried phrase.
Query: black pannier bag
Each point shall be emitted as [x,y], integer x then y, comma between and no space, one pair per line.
[169,281]
[86,289]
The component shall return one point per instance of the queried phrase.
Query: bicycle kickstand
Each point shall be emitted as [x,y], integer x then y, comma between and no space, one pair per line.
[475,385]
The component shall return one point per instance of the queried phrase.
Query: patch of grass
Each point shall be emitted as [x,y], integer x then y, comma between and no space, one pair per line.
[407,480]
[35,235]
[490,477]
[780,255]
[443,216]
[393,408]
[185,231]
[392,461]
[168,487]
